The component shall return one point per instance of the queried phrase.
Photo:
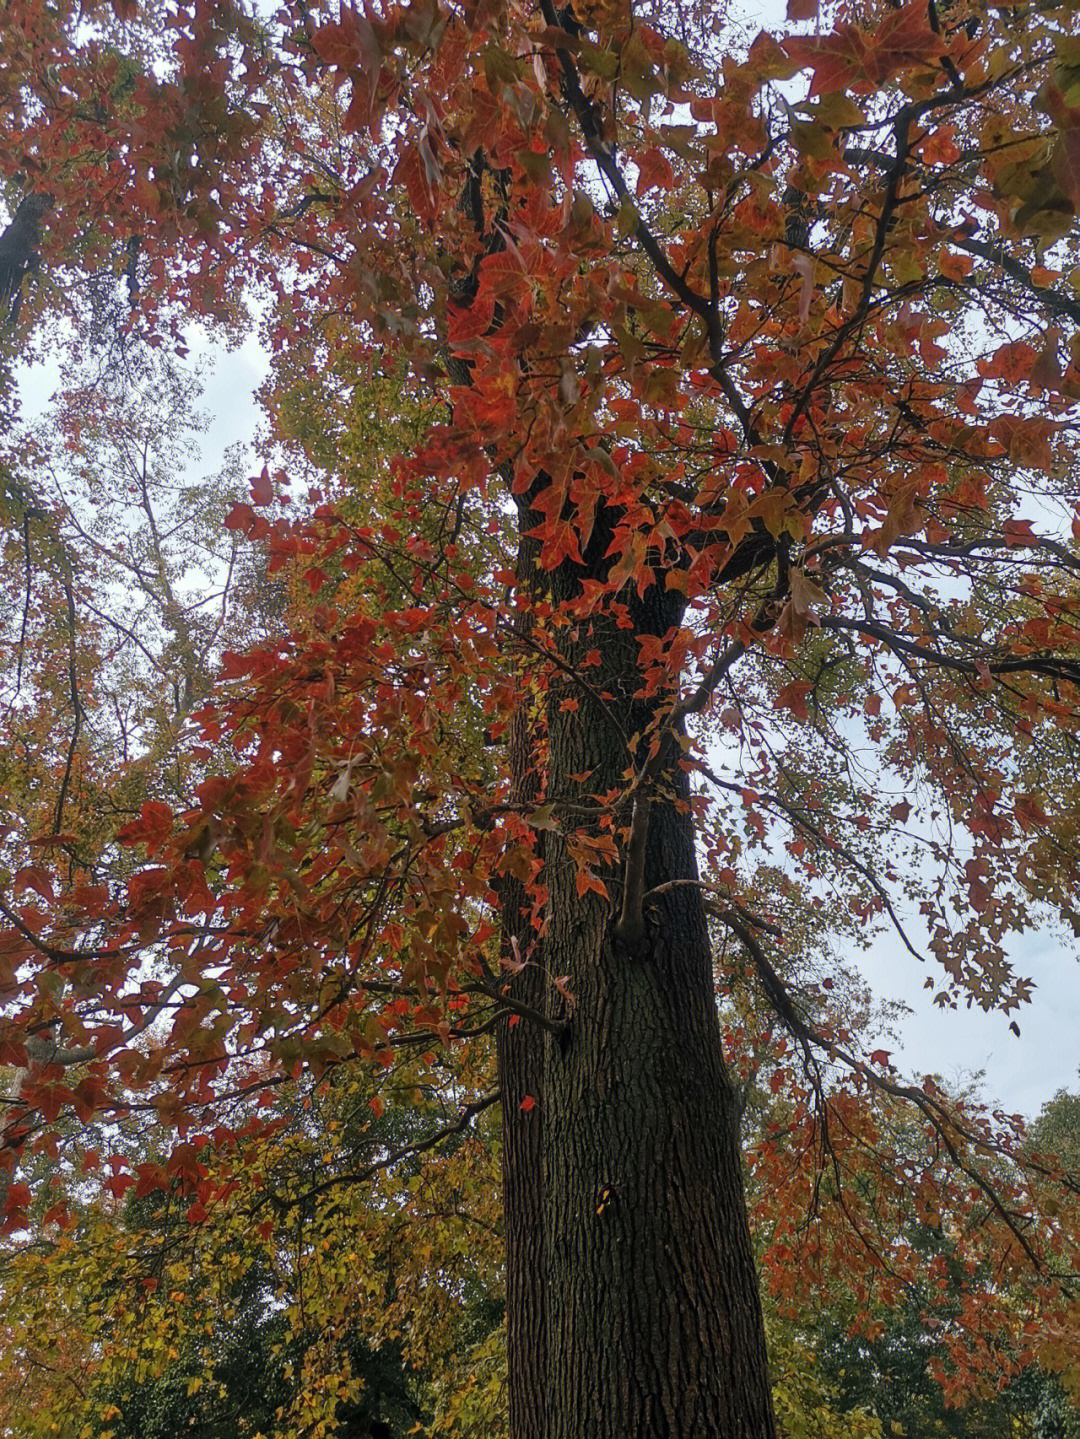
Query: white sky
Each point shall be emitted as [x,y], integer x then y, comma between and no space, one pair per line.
[1020,1073]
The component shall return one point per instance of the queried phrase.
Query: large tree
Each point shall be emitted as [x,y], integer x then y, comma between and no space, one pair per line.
[737,523]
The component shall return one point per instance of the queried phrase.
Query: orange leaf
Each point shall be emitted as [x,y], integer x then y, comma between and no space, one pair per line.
[793,697]
[587,881]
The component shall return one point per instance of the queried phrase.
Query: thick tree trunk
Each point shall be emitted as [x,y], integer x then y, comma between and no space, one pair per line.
[650,1301]
[653,1317]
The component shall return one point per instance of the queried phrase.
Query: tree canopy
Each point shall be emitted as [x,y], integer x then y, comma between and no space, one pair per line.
[661,583]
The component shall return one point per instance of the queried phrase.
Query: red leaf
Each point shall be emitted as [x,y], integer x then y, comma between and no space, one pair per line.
[880,1057]
[262,491]
[854,59]
[240,517]
[1018,534]
[654,172]
[152,828]
[528,1103]
[410,173]
[1029,813]
[18,1195]
[339,45]
[33,877]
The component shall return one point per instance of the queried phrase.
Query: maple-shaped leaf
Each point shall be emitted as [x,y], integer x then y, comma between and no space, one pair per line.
[339,45]
[240,517]
[793,697]
[654,171]
[852,58]
[262,491]
[805,594]
[153,827]
[1018,534]
[585,881]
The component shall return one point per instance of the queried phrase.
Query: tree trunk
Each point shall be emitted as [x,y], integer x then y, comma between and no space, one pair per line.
[651,1308]
[653,1318]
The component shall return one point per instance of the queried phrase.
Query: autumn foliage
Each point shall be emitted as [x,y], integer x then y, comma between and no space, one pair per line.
[662,581]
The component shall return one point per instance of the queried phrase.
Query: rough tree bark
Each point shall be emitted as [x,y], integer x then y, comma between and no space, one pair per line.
[19,243]
[641,1288]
